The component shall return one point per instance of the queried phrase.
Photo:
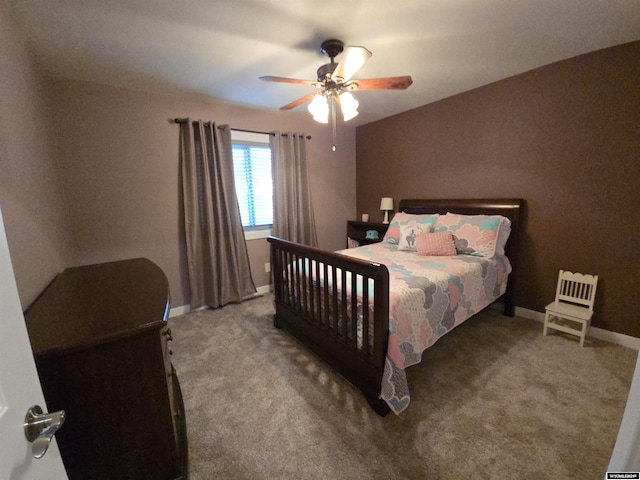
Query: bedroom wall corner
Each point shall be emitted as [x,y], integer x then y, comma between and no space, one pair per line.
[119,163]
[30,190]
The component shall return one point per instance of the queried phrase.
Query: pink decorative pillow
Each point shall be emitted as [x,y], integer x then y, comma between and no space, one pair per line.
[440,243]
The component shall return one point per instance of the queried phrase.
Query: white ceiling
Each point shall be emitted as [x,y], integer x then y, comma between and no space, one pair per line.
[220,48]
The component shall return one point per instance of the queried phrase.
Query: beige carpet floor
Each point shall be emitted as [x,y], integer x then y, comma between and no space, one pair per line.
[493,399]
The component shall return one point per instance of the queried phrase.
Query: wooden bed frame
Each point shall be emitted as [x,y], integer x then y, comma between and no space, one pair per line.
[323,319]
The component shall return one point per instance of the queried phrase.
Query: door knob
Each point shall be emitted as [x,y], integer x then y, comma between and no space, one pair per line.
[39,428]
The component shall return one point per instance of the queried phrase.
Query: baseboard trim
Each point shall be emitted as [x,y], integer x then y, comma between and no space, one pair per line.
[181,310]
[599,333]
[184,309]
[262,290]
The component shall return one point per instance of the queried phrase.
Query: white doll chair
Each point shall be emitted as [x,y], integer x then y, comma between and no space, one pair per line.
[572,309]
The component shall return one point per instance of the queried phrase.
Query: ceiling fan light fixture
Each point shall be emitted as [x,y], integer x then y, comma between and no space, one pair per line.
[319,108]
[349,106]
[334,84]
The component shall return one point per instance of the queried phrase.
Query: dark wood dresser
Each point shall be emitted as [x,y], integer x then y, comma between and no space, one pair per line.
[101,344]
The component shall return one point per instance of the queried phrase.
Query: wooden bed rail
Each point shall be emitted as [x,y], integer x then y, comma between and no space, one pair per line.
[338,307]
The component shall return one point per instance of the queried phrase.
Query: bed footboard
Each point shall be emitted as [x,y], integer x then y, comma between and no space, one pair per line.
[338,307]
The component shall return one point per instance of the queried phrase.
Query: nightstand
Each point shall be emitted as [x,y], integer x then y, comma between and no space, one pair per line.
[357,232]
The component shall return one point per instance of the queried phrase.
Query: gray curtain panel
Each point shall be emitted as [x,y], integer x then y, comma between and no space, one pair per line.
[218,262]
[292,207]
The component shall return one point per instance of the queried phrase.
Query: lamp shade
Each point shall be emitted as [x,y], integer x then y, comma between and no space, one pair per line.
[349,106]
[319,108]
[386,203]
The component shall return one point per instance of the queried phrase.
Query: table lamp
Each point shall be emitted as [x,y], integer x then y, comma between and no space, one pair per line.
[387,205]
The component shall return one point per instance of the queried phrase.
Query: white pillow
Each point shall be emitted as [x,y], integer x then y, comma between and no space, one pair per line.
[409,233]
[402,219]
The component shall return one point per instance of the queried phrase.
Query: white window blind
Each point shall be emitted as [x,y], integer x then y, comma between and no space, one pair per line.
[254,185]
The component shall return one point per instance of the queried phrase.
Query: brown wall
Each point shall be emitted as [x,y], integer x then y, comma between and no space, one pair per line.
[564,137]
[30,195]
[118,157]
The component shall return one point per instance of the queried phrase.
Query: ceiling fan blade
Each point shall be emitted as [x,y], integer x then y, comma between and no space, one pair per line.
[388,83]
[299,101]
[352,59]
[269,78]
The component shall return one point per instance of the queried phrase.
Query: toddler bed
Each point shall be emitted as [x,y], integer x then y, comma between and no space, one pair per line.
[371,311]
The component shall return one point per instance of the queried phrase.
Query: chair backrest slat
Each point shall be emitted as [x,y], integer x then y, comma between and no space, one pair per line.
[576,288]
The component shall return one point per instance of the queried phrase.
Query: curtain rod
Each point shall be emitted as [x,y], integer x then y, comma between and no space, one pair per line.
[183,120]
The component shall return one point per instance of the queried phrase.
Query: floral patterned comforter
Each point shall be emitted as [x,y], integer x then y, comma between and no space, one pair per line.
[428,297]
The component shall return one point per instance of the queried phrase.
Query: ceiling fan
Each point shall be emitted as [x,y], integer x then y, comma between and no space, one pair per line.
[334,84]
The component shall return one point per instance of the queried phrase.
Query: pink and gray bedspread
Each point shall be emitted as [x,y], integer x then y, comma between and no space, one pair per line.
[428,297]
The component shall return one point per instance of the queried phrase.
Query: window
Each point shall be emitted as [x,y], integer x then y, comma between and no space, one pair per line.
[254,184]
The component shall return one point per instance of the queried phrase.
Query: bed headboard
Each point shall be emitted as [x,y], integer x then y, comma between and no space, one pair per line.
[507,207]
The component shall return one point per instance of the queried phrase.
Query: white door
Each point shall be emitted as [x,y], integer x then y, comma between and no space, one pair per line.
[626,454]
[19,386]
